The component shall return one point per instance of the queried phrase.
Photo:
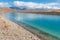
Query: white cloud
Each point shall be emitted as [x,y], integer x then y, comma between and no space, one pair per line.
[4,4]
[33,5]
[17,3]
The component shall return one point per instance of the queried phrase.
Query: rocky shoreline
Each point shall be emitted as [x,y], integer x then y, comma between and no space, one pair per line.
[11,31]
[41,34]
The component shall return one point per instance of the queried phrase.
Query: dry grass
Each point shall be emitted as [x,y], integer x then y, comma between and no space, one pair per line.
[27,11]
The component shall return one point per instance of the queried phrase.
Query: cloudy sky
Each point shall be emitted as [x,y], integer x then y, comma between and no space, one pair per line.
[31,4]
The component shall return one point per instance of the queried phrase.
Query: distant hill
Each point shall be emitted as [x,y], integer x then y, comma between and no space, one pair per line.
[17,8]
[26,8]
[31,11]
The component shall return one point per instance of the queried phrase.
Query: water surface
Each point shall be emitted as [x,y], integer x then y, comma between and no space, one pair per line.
[47,23]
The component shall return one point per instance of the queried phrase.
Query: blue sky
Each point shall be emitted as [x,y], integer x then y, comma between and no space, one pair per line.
[31,4]
[37,1]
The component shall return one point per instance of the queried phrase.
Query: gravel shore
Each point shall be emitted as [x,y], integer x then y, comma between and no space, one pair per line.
[12,31]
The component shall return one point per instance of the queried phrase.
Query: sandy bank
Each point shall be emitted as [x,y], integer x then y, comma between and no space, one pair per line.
[12,31]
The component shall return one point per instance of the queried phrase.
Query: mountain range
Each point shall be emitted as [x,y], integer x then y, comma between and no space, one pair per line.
[17,8]
[26,8]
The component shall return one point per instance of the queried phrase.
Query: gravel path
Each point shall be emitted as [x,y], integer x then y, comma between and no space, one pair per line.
[12,31]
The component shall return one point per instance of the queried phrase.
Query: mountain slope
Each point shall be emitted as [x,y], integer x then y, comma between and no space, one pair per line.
[17,8]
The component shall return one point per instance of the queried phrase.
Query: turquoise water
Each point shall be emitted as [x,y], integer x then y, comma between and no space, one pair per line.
[48,23]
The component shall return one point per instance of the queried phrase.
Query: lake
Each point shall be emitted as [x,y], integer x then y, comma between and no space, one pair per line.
[47,23]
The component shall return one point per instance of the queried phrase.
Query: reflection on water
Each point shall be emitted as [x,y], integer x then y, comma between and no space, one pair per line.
[47,23]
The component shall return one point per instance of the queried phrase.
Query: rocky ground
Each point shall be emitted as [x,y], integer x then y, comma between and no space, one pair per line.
[12,31]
